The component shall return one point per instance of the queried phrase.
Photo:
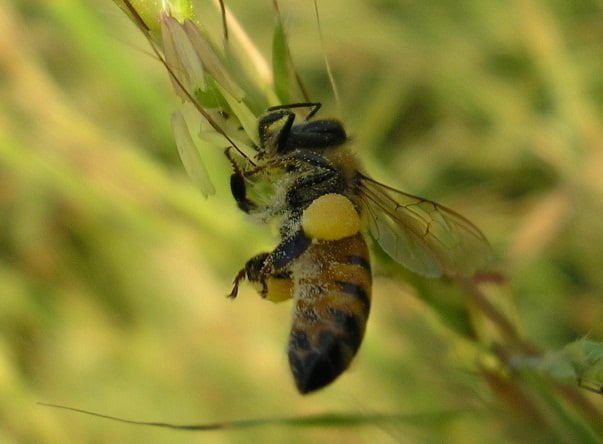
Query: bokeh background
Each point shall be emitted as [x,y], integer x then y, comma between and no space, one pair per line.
[113,268]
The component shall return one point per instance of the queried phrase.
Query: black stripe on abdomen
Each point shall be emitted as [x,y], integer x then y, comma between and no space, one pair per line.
[355,290]
[352,329]
[360,261]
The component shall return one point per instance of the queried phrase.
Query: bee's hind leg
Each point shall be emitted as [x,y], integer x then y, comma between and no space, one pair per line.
[274,276]
[252,272]
[235,284]
[269,272]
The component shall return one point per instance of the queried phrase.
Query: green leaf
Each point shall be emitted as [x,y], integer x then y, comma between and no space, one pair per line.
[280,65]
[211,96]
[317,420]
[211,60]
[182,55]
[189,155]
[249,121]
[579,362]
[150,10]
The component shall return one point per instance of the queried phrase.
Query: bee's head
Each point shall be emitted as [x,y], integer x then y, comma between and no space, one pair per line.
[273,129]
[278,135]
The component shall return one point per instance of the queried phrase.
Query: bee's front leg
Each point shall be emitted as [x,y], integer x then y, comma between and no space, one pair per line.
[238,188]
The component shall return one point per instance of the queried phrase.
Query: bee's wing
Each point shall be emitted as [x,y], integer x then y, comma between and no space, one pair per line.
[422,235]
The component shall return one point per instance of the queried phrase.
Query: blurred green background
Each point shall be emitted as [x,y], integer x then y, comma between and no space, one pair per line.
[113,268]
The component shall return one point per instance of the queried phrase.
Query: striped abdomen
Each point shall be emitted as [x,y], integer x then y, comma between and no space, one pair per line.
[332,287]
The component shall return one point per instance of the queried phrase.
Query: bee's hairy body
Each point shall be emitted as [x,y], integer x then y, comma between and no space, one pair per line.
[319,196]
[332,286]
[322,264]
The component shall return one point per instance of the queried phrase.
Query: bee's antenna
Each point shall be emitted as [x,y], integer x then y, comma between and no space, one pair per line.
[326,59]
[146,31]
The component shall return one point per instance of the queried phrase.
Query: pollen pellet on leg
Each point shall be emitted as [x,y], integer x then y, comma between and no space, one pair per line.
[279,290]
[330,217]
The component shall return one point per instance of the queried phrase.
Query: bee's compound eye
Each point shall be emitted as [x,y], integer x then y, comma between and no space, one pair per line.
[330,217]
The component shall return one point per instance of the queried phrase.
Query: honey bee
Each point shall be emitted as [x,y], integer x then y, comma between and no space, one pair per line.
[306,177]
[322,201]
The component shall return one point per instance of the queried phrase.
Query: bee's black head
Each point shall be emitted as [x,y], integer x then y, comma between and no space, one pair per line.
[278,134]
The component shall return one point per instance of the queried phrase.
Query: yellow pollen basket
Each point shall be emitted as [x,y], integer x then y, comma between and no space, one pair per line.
[279,290]
[330,217]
